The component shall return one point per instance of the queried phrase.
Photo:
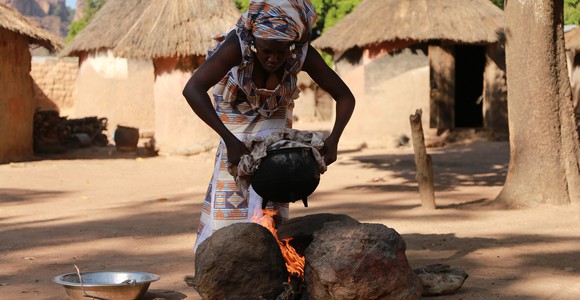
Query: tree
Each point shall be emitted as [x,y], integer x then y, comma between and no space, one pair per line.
[544,162]
[499,3]
[572,12]
[330,12]
[91,8]
[242,4]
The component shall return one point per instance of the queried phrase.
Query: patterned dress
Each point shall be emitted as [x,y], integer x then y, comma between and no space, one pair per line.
[239,108]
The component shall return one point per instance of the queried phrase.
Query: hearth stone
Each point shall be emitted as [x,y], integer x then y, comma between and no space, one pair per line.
[359,261]
[302,229]
[241,261]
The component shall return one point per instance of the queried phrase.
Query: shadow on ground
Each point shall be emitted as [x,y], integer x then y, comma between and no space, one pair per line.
[452,167]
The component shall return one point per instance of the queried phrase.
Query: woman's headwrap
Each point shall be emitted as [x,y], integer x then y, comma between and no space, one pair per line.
[283,20]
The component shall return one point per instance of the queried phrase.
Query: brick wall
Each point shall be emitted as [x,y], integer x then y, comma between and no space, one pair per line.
[55,79]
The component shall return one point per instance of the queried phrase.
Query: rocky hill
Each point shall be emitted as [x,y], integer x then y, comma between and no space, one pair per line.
[52,15]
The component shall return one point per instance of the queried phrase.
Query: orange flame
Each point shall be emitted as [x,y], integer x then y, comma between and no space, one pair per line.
[294,261]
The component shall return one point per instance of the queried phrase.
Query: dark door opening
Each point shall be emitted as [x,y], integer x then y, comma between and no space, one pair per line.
[469,68]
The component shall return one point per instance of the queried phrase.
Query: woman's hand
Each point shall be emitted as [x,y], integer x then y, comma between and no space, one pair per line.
[330,150]
[235,149]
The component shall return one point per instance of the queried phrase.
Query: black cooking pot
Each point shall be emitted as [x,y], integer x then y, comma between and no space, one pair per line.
[286,175]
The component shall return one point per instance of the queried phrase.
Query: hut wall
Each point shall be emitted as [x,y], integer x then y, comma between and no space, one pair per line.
[118,89]
[573,60]
[347,61]
[442,84]
[392,64]
[314,104]
[389,87]
[177,129]
[16,99]
[54,82]
[378,50]
[495,114]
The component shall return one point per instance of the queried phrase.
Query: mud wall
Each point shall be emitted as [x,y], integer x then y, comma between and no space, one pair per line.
[17,103]
[389,87]
[54,82]
[177,129]
[118,89]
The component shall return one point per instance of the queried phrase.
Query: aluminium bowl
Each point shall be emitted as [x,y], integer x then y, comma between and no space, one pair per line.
[110,285]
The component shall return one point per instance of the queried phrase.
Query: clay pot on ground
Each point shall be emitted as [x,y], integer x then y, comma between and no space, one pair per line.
[126,138]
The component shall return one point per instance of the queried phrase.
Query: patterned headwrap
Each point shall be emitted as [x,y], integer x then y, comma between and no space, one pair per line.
[283,20]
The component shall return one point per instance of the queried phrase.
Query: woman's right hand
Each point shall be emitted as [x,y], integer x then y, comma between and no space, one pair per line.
[235,149]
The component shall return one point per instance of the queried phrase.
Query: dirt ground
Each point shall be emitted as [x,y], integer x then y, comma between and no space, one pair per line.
[103,210]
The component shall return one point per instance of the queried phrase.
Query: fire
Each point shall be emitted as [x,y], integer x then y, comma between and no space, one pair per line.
[294,261]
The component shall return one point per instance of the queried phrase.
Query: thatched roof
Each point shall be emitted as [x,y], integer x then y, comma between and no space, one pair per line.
[572,38]
[171,28]
[108,26]
[158,28]
[13,21]
[377,21]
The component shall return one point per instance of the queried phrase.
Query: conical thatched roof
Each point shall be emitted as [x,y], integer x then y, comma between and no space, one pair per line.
[109,25]
[170,28]
[377,21]
[572,38]
[13,21]
[155,28]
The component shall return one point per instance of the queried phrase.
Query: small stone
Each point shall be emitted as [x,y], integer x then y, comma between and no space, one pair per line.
[439,279]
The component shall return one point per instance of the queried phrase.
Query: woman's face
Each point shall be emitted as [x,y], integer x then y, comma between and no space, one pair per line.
[272,54]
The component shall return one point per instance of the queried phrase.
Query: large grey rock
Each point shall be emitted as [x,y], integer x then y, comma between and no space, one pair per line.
[302,229]
[359,261]
[241,261]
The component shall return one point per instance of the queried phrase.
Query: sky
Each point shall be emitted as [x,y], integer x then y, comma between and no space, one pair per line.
[71,3]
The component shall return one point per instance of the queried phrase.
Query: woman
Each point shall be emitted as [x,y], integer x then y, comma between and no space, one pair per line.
[254,73]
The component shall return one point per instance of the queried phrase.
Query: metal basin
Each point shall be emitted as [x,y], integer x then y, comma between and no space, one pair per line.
[110,285]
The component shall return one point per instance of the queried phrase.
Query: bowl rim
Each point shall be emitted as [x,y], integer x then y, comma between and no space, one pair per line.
[59,279]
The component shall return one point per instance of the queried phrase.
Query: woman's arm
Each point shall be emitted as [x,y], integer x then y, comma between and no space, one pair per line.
[328,80]
[206,76]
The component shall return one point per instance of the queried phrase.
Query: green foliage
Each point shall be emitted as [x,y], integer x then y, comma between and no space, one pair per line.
[572,12]
[92,7]
[499,3]
[242,4]
[330,12]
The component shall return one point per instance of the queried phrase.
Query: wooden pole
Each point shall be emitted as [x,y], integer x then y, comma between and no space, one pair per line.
[423,162]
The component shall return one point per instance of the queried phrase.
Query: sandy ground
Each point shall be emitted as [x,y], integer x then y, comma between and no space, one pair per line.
[104,210]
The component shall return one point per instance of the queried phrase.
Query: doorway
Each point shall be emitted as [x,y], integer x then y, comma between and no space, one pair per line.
[469,68]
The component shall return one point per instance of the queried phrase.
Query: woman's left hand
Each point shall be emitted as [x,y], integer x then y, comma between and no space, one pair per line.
[330,150]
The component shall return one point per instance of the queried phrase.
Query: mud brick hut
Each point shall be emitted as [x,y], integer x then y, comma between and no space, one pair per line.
[17,102]
[176,35]
[445,57]
[118,89]
[136,57]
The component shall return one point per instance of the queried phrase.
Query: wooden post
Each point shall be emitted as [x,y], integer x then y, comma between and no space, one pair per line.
[423,162]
